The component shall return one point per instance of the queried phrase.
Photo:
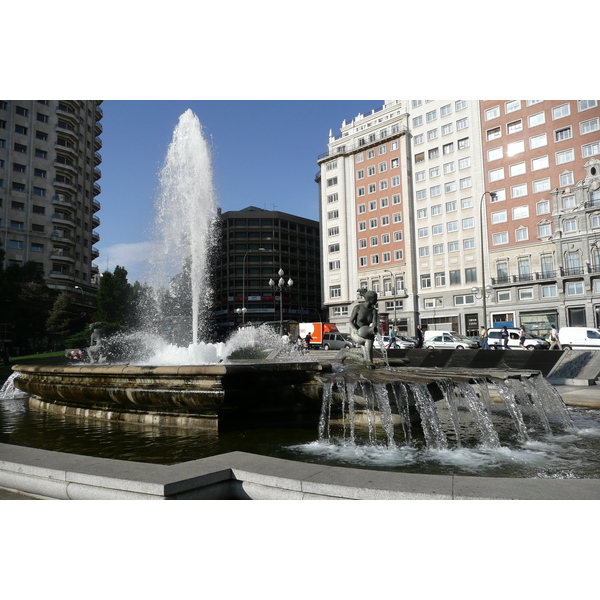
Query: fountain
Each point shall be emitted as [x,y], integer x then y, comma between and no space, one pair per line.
[251,377]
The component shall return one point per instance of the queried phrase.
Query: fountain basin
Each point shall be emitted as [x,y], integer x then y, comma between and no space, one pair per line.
[196,396]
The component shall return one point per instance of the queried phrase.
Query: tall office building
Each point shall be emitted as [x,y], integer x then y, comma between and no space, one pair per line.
[48,187]
[496,203]
[255,246]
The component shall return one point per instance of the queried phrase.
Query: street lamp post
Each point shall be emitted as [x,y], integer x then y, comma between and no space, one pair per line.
[393,291]
[484,289]
[281,285]
[243,310]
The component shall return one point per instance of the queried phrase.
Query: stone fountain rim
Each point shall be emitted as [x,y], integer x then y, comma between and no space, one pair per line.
[127,369]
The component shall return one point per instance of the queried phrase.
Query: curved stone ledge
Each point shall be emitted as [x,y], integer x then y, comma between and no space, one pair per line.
[240,475]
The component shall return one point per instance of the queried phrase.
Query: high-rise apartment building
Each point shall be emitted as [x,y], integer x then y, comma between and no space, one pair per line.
[541,163]
[254,246]
[48,187]
[366,211]
[497,204]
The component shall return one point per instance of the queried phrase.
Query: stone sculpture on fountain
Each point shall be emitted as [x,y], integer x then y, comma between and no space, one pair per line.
[363,324]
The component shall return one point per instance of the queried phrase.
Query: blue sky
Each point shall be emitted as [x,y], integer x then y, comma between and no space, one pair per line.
[264,154]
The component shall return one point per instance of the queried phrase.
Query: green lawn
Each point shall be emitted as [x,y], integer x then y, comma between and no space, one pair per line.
[51,358]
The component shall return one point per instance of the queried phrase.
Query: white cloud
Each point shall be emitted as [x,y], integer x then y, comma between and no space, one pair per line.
[133,257]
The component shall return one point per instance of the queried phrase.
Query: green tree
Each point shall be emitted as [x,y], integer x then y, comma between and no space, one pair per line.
[113,298]
[34,303]
[65,318]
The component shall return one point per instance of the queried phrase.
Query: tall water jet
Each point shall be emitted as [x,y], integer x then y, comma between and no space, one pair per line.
[185,211]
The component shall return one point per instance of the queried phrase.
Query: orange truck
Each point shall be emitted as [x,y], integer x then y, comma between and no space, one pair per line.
[316,331]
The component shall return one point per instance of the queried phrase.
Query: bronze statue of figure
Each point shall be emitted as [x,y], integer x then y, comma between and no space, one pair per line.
[363,323]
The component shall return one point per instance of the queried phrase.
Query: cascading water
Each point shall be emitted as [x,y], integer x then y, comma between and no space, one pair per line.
[461,426]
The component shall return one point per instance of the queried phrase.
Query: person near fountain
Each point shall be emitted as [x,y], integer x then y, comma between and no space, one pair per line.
[363,324]
[483,336]
[393,343]
[505,337]
[554,339]
[419,337]
[522,337]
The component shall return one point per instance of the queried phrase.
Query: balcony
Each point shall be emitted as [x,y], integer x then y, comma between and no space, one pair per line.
[65,183]
[64,148]
[95,238]
[95,221]
[62,255]
[96,206]
[95,253]
[97,189]
[63,219]
[60,200]
[62,236]
[572,271]
[97,173]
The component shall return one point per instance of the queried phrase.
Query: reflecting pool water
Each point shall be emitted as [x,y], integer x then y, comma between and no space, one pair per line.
[569,454]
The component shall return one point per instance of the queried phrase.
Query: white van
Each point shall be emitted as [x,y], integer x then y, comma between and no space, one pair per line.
[448,340]
[579,338]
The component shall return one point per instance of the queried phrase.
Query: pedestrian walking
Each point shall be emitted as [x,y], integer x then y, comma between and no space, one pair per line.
[483,336]
[554,339]
[505,337]
[392,343]
[419,337]
[522,337]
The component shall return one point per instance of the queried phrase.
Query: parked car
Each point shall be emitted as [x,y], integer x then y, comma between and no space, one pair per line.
[336,341]
[579,338]
[532,341]
[402,343]
[448,340]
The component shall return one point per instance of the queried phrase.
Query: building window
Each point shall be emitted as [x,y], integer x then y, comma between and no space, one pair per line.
[522,234]
[335,291]
[540,163]
[517,191]
[496,174]
[544,230]
[500,238]
[466,299]
[537,119]
[575,288]
[455,277]
[591,149]
[471,275]
[526,294]
[514,127]
[563,134]
[549,291]
[520,212]
[440,279]
[558,112]
[500,216]
[566,179]
[425,281]
[565,156]
[589,126]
